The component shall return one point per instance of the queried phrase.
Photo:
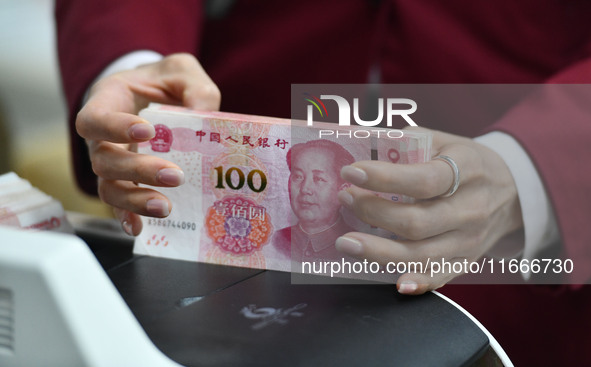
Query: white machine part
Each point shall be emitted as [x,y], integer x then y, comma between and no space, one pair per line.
[59,308]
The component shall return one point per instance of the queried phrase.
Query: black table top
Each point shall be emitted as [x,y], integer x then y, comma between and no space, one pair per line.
[212,315]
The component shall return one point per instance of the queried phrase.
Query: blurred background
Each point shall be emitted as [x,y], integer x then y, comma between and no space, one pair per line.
[34,140]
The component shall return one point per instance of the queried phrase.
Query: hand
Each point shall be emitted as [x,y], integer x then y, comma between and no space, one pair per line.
[461,227]
[111,127]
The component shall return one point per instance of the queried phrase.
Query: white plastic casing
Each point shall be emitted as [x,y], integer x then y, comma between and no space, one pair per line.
[59,308]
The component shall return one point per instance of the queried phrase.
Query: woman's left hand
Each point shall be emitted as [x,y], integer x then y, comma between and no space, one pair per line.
[463,226]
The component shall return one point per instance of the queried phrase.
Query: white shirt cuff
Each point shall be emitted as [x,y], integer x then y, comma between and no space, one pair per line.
[539,221]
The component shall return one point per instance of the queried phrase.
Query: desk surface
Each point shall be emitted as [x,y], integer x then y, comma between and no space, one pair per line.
[211,315]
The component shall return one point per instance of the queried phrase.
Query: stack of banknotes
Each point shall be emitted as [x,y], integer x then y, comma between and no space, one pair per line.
[260,192]
[24,206]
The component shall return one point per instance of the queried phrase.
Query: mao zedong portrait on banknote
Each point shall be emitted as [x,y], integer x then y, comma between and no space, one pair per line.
[314,183]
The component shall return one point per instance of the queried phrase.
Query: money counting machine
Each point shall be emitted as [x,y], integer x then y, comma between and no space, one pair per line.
[69,302]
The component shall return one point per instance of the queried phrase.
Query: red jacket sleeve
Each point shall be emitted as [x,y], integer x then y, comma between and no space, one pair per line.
[91,34]
[553,127]
[510,42]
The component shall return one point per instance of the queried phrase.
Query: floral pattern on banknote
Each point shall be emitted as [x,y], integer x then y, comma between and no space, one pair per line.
[255,260]
[238,225]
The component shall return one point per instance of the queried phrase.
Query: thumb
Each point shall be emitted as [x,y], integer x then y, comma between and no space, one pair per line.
[184,78]
[202,96]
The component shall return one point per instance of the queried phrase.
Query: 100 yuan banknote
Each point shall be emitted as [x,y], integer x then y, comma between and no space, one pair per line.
[259,192]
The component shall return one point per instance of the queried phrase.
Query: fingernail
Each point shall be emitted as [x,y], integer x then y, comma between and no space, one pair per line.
[407,286]
[142,131]
[348,245]
[127,227]
[157,207]
[355,175]
[171,176]
[345,198]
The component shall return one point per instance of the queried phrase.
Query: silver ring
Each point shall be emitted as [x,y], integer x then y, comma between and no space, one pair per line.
[456,170]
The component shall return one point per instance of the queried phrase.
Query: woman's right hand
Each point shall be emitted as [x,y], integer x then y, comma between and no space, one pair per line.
[109,123]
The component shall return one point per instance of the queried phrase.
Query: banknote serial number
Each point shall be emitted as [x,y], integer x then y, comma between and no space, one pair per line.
[176,224]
